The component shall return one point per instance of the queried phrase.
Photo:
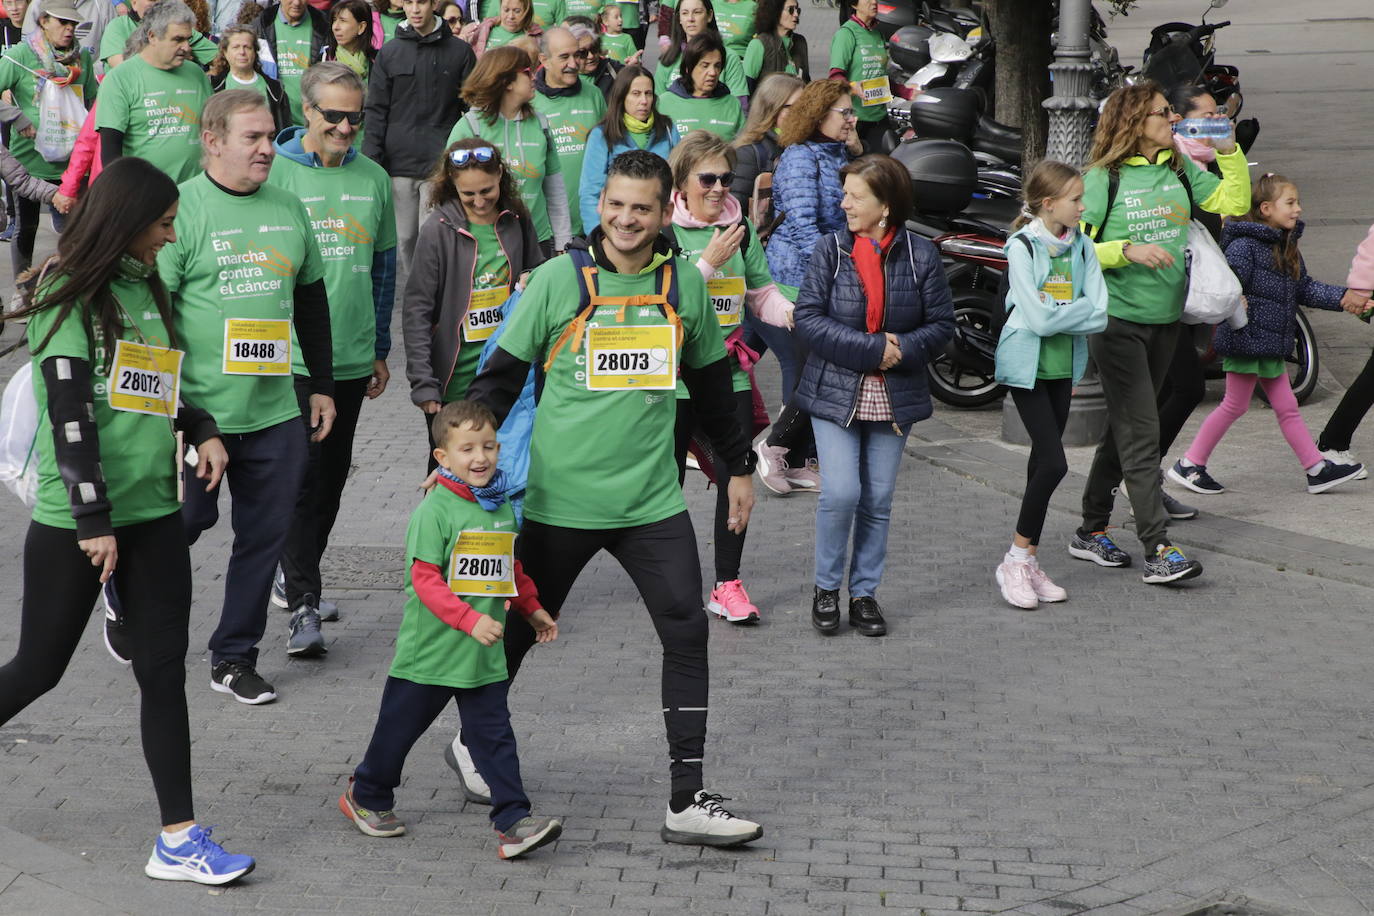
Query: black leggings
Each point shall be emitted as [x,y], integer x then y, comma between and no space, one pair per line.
[792,429]
[153,578]
[1044,410]
[29,213]
[1184,388]
[729,546]
[661,559]
[1358,398]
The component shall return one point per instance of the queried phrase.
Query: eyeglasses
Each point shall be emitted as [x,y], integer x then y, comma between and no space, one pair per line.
[845,113]
[334,116]
[462,157]
[709,180]
[1166,112]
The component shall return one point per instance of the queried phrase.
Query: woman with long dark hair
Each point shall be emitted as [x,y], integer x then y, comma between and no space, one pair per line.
[697,99]
[106,379]
[473,249]
[631,122]
[777,46]
[691,19]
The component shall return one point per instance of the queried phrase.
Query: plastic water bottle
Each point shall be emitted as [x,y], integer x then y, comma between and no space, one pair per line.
[1204,128]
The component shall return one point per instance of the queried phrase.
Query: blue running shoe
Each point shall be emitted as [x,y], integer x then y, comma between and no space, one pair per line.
[199,859]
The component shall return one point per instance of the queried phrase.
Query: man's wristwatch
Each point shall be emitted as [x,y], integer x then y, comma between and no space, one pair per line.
[1125,245]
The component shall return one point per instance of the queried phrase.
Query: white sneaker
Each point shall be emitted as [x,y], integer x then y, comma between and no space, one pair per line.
[475,788]
[1338,456]
[706,823]
[1013,577]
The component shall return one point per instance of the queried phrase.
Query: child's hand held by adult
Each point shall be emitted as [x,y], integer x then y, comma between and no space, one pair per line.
[545,627]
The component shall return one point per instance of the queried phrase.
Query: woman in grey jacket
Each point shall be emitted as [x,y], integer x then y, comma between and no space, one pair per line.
[473,251]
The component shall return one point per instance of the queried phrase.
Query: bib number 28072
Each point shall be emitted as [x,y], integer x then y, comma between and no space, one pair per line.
[145,379]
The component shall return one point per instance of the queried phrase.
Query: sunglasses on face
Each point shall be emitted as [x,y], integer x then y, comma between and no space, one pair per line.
[792,10]
[453,20]
[1166,112]
[582,53]
[462,157]
[709,180]
[334,116]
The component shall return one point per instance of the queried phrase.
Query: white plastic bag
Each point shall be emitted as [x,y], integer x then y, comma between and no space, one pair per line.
[18,436]
[1213,292]
[60,115]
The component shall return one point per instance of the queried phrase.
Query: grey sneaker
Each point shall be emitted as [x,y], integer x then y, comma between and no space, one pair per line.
[304,639]
[1170,565]
[1098,548]
[527,835]
[372,823]
[475,788]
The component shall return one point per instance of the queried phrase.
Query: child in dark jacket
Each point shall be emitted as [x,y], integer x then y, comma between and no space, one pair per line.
[1262,249]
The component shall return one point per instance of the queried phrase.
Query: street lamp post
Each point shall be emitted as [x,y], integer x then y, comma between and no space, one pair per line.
[1070,136]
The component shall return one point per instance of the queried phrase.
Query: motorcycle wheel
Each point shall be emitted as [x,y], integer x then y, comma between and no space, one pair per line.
[962,374]
[1304,361]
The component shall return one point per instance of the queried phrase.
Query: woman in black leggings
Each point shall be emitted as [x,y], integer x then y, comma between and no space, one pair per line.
[105,377]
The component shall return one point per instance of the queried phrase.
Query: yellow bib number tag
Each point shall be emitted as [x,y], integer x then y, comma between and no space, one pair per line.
[876,91]
[637,357]
[484,313]
[1059,288]
[727,297]
[254,346]
[145,379]
[483,564]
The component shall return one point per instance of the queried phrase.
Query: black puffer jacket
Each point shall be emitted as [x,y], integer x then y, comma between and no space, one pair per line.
[1271,294]
[412,99]
[831,317]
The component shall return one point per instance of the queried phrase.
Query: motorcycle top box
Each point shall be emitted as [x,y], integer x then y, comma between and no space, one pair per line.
[943,174]
[945,112]
[908,47]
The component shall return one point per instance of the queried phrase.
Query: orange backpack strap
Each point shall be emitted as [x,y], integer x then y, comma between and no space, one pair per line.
[590,300]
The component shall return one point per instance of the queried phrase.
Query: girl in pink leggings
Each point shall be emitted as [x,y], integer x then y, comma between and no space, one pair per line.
[1262,249]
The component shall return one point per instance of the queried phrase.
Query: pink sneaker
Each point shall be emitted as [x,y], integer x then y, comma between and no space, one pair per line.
[1045,590]
[807,478]
[1014,579]
[731,601]
[772,467]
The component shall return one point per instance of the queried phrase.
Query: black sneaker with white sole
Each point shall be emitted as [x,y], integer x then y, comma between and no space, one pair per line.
[117,639]
[242,681]
[1170,565]
[1098,548]
[304,639]
[1195,478]
[1332,475]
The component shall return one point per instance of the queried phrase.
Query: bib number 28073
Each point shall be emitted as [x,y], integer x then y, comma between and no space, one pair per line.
[620,358]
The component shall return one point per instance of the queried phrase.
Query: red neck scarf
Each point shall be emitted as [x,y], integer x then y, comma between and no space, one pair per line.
[868,261]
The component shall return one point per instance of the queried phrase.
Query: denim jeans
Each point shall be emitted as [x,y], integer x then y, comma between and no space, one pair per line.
[858,477]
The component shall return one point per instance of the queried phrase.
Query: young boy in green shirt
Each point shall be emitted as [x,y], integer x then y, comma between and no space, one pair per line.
[460,547]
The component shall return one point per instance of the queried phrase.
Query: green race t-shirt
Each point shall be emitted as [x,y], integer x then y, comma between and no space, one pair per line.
[570,119]
[720,115]
[158,112]
[746,269]
[232,273]
[604,458]
[754,54]
[116,36]
[499,36]
[389,22]
[429,651]
[137,450]
[15,76]
[589,8]
[629,13]
[1056,351]
[293,59]
[353,217]
[619,47]
[732,76]
[490,288]
[530,154]
[735,20]
[862,55]
[546,12]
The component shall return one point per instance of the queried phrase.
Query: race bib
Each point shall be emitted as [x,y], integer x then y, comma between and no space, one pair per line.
[145,379]
[484,313]
[255,346]
[1059,288]
[637,357]
[876,91]
[727,298]
[483,564]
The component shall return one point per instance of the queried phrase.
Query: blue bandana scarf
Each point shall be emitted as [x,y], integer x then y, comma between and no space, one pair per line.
[489,497]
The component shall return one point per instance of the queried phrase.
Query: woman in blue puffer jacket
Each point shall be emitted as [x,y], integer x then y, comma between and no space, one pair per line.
[874,308]
[631,122]
[1262,249]
[818,140]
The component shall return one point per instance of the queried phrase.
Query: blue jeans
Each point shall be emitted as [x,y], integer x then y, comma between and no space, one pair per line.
[779,342]
[858,477]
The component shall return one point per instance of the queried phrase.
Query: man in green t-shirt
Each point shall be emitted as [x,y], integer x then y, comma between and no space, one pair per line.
[571,106]
[243,273]
[602,473]
[348,197]
[296,34]
[150,104]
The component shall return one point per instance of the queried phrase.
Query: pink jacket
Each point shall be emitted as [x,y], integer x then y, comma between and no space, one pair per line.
[767,302]
[85,158]
[1362,268]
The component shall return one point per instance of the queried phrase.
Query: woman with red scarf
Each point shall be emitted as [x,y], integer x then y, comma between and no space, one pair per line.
[873,309]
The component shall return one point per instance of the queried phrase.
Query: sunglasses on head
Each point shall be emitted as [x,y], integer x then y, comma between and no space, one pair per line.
[334,116]
[462,157]
[709,180]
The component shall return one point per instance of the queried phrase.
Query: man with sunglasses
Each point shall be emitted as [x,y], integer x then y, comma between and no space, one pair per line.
[602,473]
[572,107]
[348,197]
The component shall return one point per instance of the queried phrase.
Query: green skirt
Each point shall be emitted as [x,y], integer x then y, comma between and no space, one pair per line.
[1263,366]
